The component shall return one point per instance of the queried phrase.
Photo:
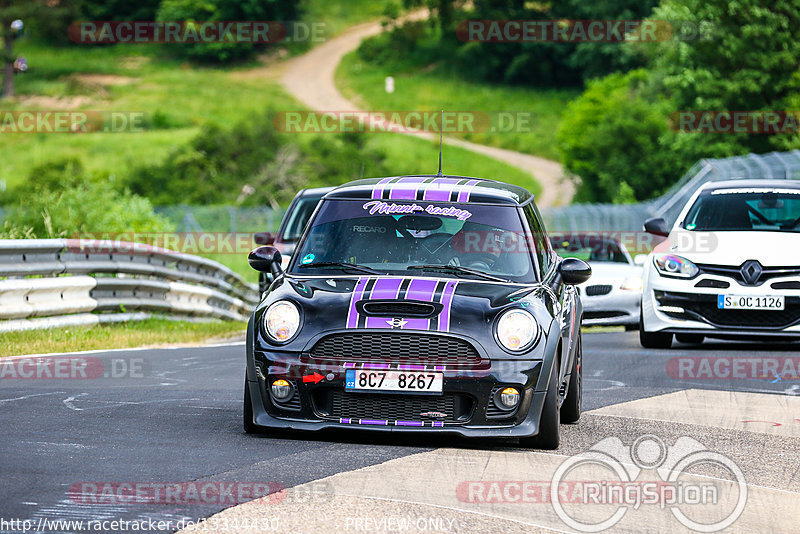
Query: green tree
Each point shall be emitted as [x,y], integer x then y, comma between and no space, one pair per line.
[741,55]
[225,10]
[10,11]
[610,137]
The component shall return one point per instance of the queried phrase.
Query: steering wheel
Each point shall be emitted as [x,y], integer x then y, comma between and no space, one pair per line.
[479,260]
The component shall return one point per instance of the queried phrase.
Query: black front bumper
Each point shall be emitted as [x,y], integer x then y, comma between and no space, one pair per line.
[319,400]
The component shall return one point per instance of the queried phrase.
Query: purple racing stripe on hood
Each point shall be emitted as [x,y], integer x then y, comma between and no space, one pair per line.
[389,288]
[358,292]
[447,302]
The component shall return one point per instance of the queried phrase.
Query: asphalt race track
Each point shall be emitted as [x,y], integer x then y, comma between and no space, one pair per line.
[167,416]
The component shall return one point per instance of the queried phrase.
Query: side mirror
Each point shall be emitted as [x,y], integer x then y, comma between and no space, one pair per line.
[640,259]
[266,259]
[656,226]
[574,271]
[264,238]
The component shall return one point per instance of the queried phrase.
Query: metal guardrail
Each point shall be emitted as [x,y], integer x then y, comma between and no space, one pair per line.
[630,217]
[45,279]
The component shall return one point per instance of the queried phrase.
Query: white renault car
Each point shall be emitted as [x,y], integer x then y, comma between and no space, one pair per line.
[730,267]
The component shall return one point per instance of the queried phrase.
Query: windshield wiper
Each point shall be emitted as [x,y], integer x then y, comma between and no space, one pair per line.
[457,269]
[343,265]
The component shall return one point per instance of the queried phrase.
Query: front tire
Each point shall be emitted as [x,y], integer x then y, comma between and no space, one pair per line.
[653,340]
[549,433]
[571,409]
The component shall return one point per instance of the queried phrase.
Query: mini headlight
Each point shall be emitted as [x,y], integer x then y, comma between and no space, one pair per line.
[632,283]
[517,330]
[672,265]
[281,321]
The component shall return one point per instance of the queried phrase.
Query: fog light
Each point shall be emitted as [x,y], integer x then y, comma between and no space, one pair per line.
[281,389]
[509,398]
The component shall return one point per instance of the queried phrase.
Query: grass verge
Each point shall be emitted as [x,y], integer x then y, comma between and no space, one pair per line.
[433,88]
[153,331]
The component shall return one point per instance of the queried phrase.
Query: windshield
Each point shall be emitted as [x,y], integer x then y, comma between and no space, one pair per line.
[765,210]
[590,248]
[298,218]
[414,238]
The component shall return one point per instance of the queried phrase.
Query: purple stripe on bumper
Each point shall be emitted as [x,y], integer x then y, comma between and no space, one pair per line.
[382,422]
[409,423]
[411,367]
[375,366]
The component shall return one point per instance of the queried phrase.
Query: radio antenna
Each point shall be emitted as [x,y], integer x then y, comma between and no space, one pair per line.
[441,130]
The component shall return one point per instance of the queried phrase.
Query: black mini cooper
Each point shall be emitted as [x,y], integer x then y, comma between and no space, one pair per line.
[419,304]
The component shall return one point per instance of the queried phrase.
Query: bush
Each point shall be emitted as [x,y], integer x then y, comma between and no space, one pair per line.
[77,204]
[224,10]
[251,164]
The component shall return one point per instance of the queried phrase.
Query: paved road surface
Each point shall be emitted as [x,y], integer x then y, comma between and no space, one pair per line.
[176,418]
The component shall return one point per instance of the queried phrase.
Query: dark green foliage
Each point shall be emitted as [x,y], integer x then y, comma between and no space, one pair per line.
[250,164]
[107,10]
[224,10]
[742,56]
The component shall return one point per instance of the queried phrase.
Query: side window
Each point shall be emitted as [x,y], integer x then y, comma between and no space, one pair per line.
[540,241]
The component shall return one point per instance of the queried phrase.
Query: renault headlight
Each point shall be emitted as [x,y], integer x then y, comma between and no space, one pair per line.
[281,321]
[672,265]
[517,330]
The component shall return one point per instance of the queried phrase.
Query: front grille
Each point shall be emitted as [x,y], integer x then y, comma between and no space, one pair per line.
[710,282]
[336,403]
[767,273]
[785,285]
[597,290]
[395,347]
[704,308]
